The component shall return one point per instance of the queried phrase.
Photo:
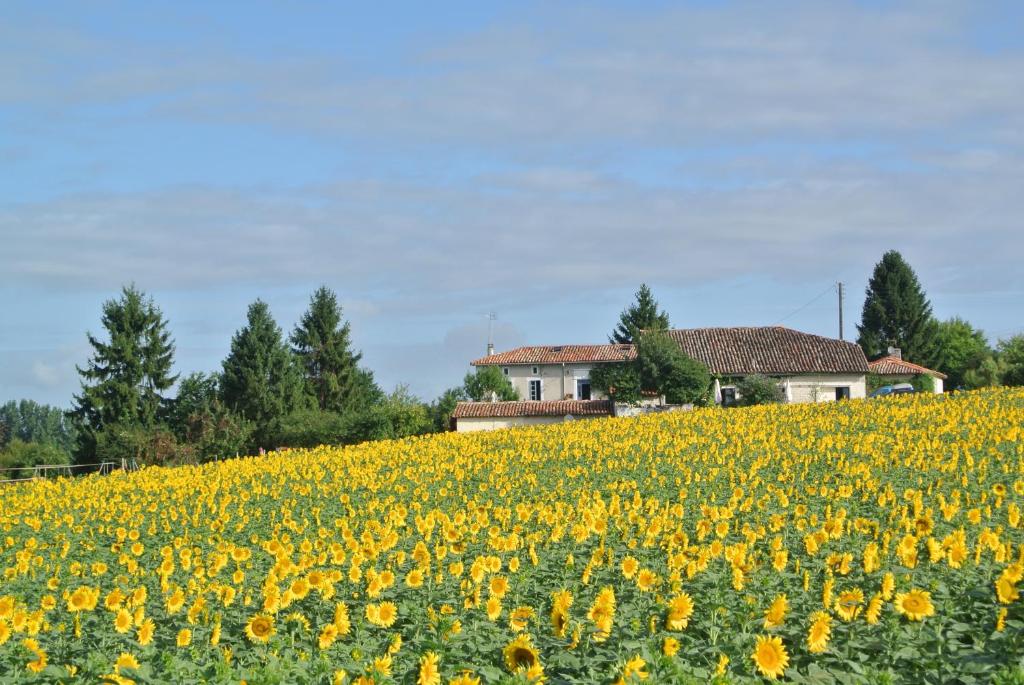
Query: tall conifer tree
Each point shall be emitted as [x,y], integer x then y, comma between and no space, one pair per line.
[125,379]
[321,343]
[261,379]
[643,315]
[896,312]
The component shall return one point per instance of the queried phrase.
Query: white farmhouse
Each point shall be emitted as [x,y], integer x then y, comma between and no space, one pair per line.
[554,380]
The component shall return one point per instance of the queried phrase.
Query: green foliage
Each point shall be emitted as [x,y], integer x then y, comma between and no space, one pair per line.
[30,421]
[146,445]
[261,380]
[876,381]
[963,347]
[199,418]
[399,415]
[19,454]
[125,379]
[643,315]
[441,409]
[620,381]
[1011,355]
[983,372]
[321,343]
[758,389]
[405,414]
[664,368]
[479,385]
[896,312]
[923,382]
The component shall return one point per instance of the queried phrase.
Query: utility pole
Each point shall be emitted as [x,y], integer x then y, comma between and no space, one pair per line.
[840,284]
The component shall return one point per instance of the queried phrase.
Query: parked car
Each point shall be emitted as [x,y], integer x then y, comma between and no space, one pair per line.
[895,389]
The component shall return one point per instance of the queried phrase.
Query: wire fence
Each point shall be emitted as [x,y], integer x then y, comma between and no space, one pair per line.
[21,474]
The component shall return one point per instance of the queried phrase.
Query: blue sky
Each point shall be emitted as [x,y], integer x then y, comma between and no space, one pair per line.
[435,162]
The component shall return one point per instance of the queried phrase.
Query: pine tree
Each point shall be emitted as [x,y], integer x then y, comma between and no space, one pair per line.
[126,378]
[641,316]
[321,343]
[896,312]
[261,380]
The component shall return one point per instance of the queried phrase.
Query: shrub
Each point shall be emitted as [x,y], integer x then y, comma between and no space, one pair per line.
[758,389]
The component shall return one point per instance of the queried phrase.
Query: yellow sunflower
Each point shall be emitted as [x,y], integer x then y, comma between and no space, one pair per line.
[259,628]
[770,656]
[848,604]
[680,609]
[429,673]
[819,633]
[776,613]
[520,654]
[915,604]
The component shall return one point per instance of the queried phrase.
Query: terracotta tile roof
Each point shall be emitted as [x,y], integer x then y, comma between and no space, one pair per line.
[894,366]
[488,410]
[769,350]
[558,354]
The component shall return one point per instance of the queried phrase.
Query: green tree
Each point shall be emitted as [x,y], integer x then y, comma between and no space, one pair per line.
[642,315]
[261,380]
[442,408]
[479,385]
[1011,356]
[321,342]
[201,420]
[125,379]
[963,346]
[896,312]
[30,421]
[663,367]
[984,371]
[620,381]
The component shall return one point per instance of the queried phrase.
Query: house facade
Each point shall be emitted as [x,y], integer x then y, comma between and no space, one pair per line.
[542,373]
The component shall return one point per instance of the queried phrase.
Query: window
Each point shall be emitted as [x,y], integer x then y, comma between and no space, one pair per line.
[843,393]
[535,390]
[728,397]
[583,388]
[505,371]
[534,370]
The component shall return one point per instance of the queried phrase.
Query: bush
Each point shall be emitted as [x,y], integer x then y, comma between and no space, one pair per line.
[155,446]
[923,382]
[758,389]
[25,455]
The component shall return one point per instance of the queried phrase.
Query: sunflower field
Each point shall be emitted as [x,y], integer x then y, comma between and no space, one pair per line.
[860,541]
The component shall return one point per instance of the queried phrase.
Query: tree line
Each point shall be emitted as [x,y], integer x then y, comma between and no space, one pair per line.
[309,388]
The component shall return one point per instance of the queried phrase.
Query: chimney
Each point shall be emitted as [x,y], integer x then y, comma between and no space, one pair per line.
[896,352]
[490,349]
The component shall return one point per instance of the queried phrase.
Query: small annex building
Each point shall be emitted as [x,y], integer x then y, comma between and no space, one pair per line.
[895,369]
[550,378]
[480,416]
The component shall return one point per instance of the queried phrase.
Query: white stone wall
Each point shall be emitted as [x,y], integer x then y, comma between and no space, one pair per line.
[822,388]
[555,384]
[468,425]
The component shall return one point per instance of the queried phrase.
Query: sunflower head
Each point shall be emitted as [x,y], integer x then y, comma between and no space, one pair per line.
[915,604]
[520,654]
[260,628]
[770,656]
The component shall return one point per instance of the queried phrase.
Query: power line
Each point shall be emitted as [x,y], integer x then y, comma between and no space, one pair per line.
[814,299]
